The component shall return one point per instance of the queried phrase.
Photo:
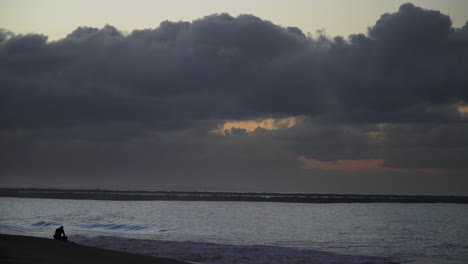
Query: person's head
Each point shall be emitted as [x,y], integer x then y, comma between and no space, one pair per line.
[61,227]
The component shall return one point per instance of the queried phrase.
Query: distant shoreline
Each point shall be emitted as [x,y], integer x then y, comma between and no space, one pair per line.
[112,195]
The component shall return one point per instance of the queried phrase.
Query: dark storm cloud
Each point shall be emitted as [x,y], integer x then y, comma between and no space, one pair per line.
[100,105]
[162,77]
[233,67]
[409,57]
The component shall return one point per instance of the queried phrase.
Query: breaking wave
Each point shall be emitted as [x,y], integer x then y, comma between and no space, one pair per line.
[42,224]
[116,227]
[101,226]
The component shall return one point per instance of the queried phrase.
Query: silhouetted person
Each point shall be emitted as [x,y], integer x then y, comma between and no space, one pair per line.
[60,234]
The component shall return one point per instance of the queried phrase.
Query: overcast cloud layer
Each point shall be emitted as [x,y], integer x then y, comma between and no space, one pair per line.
[138,111]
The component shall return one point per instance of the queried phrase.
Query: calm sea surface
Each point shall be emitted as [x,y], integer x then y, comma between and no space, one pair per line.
[354,233]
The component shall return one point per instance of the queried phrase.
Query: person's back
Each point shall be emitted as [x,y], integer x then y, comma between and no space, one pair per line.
[60,234]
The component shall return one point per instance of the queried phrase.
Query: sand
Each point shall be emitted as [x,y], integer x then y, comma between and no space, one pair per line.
[24,250]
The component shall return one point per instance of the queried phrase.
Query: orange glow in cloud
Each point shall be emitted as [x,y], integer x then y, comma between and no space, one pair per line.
[370,165]
[463,110]
[251,125]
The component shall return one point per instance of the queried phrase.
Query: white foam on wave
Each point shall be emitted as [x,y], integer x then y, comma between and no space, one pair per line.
[120,227]
[94,226]
[209,253]
[42,224]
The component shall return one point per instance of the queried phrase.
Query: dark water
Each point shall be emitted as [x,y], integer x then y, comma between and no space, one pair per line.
[251,232]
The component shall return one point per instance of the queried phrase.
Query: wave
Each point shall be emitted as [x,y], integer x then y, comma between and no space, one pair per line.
[210,253]
[101,226]
[115,227]
[42,224]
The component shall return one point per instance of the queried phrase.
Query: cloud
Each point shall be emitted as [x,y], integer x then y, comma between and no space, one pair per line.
[410,57]
[253,125]
[234,68]
[103,104]
[356,165]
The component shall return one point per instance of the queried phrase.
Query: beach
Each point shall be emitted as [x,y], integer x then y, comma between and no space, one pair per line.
[25,249]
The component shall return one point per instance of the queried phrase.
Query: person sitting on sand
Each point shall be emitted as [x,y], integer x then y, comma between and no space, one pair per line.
[60,234]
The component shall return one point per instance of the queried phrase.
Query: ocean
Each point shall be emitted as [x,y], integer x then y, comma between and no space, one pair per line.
[252,232]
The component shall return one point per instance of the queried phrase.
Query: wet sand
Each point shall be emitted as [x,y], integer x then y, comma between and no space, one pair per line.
[24,250]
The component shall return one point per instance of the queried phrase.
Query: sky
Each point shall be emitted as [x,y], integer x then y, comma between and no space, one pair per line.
[283,96]
[57,18]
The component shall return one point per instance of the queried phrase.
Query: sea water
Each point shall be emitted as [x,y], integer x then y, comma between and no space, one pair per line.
[252,232]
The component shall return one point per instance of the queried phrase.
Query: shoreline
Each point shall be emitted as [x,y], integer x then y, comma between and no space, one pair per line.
[16,249]
[113,195]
